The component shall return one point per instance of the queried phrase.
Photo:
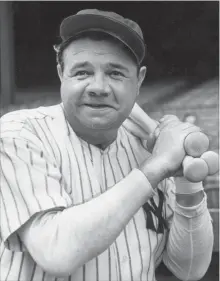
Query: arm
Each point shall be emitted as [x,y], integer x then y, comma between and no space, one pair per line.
[190,241]
[79,233]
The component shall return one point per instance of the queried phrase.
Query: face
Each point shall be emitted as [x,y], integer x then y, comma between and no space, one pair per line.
[99,85]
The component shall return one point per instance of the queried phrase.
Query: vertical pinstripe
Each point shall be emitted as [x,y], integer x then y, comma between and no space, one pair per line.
[46,137]
[59,152]
[149,263]
[109,265]
[57,146]
[9,269]
[124,231]
[116,245]
[133,219]
[5,209]
[33,272]
[109,250]
[84,158]
[13,197]
[2,252]
[46,131]
[130,262]
[90,151]
[21,266]
[41,135]
[77,164]
[32,186]
[92,194]
[79,171]
[46,184]
[70,176]
[137,165]
[19,242]
[83,200]
[17,181]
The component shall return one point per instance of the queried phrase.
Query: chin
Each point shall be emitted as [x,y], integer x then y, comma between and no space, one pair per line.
[101,124]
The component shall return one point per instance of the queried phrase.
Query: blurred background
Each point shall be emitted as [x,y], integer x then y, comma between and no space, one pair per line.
[182,59]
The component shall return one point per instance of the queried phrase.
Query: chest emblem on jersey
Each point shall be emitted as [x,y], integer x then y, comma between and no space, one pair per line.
[151,209]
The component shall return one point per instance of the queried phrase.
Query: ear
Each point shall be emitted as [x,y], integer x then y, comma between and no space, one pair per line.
[60,72]
[141,76]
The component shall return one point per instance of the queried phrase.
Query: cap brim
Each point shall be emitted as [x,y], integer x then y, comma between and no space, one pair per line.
[76,24]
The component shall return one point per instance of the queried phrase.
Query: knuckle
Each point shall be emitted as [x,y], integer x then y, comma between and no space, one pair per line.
[168,117]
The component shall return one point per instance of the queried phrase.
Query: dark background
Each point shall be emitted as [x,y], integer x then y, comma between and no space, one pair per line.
[181,37]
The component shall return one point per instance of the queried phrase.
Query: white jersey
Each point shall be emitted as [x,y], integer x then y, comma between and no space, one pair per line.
[45,165]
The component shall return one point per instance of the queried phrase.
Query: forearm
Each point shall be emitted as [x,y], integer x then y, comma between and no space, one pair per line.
[190,242]
[62,242]
[102,219]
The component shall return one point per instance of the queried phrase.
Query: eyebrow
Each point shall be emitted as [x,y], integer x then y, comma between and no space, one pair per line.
[79,65]
[118,66]
[86,64]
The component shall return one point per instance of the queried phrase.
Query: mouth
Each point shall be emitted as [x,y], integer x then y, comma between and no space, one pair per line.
[98,106]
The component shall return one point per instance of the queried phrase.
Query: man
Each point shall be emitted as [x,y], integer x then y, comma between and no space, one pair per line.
[82,197]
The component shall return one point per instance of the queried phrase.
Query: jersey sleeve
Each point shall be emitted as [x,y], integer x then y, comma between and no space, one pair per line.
[31,182]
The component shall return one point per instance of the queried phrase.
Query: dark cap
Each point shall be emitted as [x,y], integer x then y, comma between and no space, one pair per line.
[125,30]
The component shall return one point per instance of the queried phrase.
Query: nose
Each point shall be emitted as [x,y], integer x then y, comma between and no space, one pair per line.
[98,86]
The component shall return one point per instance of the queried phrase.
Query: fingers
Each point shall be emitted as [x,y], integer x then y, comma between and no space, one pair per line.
[152,138]
[168,117]
[171,121]
[150,142]
[167,120]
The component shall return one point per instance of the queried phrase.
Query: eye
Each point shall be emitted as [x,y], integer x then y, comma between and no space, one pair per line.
[116,73]
[82,73]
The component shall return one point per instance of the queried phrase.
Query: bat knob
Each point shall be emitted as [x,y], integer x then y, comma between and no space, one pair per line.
[196,144]
[212,160]
[195,169]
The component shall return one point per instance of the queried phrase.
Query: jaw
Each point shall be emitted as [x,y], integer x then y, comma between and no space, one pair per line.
[94,125]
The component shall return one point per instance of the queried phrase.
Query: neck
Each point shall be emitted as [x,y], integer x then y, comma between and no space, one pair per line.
[101,139]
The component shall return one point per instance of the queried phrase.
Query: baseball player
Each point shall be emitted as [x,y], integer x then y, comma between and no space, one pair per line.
[82,198]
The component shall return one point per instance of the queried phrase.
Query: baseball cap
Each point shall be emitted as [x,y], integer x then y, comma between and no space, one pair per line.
[125,30]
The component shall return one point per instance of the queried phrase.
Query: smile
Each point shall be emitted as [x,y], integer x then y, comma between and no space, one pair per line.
[98,106]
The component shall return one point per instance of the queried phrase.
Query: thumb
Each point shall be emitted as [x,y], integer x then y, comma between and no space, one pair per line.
[151,142]
[152,139]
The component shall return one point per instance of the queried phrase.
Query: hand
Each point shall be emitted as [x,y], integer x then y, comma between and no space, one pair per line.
[169,145]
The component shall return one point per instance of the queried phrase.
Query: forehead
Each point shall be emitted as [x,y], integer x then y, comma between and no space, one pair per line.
[97,50]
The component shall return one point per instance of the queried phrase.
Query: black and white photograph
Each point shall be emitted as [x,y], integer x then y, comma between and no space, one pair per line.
[109,140]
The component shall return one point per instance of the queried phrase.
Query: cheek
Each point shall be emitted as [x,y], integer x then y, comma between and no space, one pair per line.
[127,93]
[71,91]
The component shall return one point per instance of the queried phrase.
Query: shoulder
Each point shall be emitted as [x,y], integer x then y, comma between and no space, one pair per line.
[13,123]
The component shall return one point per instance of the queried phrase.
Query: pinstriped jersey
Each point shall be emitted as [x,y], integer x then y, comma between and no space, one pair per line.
[45,165]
